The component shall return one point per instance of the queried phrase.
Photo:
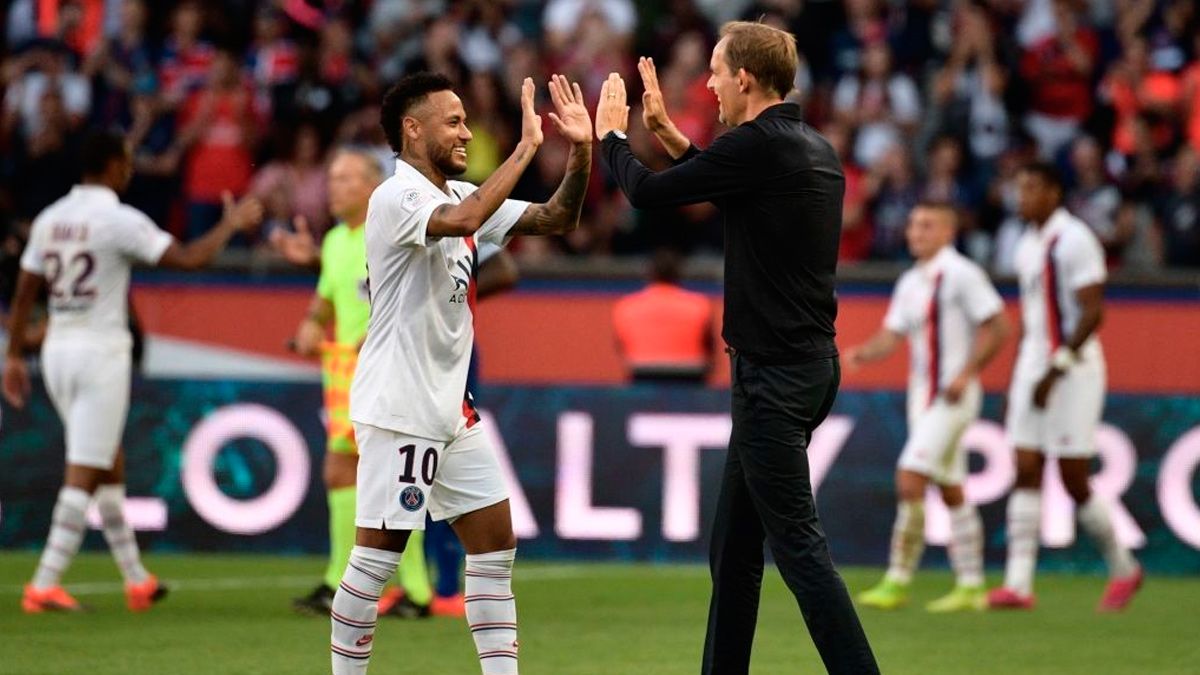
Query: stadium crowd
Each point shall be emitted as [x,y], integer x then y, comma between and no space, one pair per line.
[940,99]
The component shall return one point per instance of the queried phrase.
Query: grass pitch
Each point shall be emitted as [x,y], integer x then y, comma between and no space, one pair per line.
[231,615]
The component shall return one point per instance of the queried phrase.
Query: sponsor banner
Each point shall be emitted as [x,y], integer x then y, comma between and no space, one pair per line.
[595,472]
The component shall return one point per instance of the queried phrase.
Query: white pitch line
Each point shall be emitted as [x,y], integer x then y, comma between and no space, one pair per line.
[538,573]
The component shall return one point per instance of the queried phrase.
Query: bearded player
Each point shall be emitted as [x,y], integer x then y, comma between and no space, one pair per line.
[420,442]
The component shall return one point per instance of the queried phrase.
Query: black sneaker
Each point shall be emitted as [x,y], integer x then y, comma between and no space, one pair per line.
[317,603]
[405,608]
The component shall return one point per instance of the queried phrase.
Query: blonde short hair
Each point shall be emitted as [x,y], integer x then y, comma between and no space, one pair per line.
[767,53]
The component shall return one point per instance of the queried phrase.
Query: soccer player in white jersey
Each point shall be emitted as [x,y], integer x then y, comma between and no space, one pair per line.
[81,247]
[420,444]
[1057,391]
[954,321]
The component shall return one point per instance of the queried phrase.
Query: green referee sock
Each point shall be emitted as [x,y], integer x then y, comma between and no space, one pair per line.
[414,573]
[341,533]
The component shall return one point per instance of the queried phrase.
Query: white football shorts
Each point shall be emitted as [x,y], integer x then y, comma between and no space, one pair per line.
[89,386]
[1066,427]
[401,477]
[933,448]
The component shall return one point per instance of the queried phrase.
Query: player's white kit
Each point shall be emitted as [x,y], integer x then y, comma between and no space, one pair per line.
[1052,264]
[420,445]
[938,304]
[84,245]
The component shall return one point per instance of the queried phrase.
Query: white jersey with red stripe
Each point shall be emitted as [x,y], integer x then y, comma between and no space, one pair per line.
[411,376]
[938,304]
[84,245]
[1053,263]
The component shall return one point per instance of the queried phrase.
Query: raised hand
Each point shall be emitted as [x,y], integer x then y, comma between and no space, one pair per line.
[571,117]
[654,109]
[244,215]
[612,113]
[299,247]
[531,122]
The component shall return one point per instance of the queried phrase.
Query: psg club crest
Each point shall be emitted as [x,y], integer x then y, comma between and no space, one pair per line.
[412,499]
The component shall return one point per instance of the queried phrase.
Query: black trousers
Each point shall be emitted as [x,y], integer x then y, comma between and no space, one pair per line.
[766,495]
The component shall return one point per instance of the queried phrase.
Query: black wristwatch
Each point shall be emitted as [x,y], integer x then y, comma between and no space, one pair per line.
[617,134]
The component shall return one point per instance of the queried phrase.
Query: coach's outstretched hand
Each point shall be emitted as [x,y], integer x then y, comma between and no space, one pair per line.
[16,382]
[570,115]
[531,122]
[654,112]
[612,113]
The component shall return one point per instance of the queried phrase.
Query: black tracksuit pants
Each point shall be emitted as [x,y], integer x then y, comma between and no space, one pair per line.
[766,495]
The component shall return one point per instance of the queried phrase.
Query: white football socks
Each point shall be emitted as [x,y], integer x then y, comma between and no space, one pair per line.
[966,545]
[110,502]
[356,606]
[1096,521]
[908,541]
[67,526]
[1024,526]
[492,611]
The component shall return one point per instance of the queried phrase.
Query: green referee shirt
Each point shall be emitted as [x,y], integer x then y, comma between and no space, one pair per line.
[343,281]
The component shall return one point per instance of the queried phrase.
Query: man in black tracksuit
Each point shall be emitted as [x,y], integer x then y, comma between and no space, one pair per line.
[779,185]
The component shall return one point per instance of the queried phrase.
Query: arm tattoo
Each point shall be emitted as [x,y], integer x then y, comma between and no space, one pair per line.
[561,213]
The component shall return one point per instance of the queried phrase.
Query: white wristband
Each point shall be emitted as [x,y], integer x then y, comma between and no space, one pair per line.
[1063,358]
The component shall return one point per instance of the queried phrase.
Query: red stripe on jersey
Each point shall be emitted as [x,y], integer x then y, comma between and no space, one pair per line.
[1050,287]
[468,407]
[934,323]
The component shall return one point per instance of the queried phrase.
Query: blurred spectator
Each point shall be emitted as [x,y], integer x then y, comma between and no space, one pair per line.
[32,75]
[892,182]
[882,106]
[219,128]
[1179,212]
[1095,200]
[1191,95]
[856,212]
[488,32]
[439,51]
[488,122]
[273,59]
[156,161]
[48,157]
[945,181]
[294,186]
[564,19]
[186,59]
[118,64]
[664,332]
[1135,90]
[1058,70]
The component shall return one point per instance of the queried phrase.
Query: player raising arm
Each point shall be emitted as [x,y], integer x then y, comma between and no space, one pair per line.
[82,247]
[421,448]
[954,321]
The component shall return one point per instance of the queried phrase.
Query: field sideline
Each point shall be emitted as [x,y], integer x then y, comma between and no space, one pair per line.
[230,615]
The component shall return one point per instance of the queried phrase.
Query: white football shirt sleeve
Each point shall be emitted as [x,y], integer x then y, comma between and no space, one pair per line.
[139,238]
[979,297]
[31,258]
[1082,260]
[895,320]
[495,229]
[404,213]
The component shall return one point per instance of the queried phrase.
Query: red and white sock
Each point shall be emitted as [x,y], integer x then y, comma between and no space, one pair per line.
[356,606]
[966,545]
[67,527]
[110,502]
[1096,521]
[908,541]
[492,610]
[1024,527]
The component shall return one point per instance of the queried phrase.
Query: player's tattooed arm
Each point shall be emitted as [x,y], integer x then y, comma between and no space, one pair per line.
[560,213]
[571,119]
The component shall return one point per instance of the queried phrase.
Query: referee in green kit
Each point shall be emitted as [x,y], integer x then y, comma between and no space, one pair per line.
[779,186]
